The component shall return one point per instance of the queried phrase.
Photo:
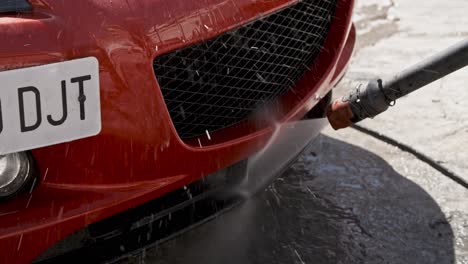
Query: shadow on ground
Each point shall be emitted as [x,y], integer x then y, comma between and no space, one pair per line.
[342,205]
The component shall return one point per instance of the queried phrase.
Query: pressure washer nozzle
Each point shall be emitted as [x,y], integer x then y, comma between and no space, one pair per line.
[361,103]
[377,96]
[339,114]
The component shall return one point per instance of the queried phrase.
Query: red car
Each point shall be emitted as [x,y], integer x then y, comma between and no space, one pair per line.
[108,105]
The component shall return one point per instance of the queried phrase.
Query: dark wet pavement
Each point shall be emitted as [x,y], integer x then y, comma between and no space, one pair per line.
[339,203]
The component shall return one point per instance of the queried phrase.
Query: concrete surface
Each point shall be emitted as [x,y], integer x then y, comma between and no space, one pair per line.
[393,35]
[396,34]
[352,198]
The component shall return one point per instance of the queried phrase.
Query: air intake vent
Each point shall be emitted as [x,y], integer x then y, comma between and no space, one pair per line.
[220,82]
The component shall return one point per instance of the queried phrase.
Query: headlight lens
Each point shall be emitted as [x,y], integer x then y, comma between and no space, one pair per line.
[15,173]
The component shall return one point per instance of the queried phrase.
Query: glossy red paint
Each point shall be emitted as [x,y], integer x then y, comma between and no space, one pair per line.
[138,155]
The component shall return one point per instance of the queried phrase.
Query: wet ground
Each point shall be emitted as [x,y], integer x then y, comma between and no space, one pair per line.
[353,198]
[321,211]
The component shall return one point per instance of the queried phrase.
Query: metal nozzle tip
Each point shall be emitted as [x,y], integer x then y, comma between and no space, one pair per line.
[339,114]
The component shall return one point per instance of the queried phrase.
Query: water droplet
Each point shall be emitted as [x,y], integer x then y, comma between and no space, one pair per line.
[208,134]
[261,78]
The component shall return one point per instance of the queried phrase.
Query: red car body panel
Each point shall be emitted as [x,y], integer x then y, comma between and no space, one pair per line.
[138,156]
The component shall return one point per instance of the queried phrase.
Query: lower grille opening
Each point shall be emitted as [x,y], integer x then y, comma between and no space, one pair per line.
[221,82]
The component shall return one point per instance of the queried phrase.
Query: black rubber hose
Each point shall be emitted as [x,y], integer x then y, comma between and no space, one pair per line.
[419,155]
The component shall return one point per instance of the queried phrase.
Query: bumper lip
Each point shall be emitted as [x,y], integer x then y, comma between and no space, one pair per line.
[252,177]
[43,222]
[105,202]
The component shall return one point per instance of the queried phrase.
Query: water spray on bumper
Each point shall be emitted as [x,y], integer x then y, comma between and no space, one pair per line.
[368,101]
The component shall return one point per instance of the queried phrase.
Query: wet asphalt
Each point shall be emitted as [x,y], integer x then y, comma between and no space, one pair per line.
[329,207]
[353,198]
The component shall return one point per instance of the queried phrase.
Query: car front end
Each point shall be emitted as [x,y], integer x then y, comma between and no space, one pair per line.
[172,90]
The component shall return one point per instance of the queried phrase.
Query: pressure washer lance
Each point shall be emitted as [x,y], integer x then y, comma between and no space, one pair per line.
[377,96]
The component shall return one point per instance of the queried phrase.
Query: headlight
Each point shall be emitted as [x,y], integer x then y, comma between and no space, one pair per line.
[16,173]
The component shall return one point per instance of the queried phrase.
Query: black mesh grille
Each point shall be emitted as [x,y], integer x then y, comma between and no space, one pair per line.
[219,82]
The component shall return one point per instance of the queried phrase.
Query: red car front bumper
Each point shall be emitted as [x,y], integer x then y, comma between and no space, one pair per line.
[138,156]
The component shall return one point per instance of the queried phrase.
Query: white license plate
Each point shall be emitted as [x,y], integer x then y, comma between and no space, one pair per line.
[50,104]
